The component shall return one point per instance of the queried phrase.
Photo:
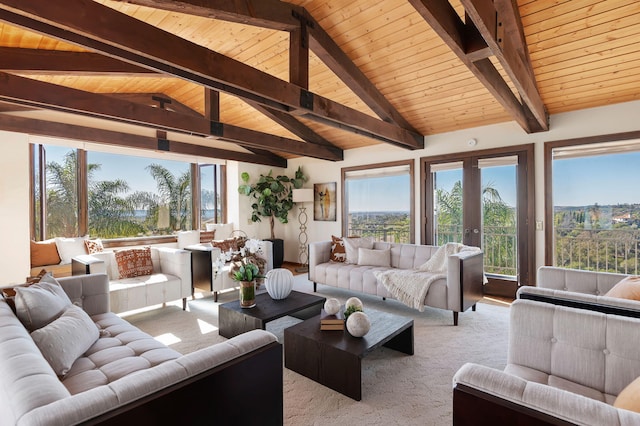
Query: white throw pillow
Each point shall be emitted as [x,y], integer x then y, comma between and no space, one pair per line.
[351,246]
[64,340]
[39,304]
[223,230]
[68,248]
[374,257]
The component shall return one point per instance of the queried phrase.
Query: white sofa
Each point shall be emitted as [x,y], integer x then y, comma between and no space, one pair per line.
[579,288]
[170,280]
[459,291]
[127,377]
[204,262]
[564,366]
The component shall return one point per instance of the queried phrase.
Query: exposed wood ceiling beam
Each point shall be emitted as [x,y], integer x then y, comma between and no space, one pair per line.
[443,18]
[158,100]
[509,51]
[25,91]
[51,62]
[151,47]
[319,42]
[109,137]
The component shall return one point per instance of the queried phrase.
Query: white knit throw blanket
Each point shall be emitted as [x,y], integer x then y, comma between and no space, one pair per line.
[410,286]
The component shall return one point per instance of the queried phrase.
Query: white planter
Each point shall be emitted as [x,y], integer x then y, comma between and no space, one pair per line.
[279,283]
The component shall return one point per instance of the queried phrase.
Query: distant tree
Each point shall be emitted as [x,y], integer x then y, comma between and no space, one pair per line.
[174,192]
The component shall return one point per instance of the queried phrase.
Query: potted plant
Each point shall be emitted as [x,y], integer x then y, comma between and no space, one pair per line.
[246,276]
[273,199]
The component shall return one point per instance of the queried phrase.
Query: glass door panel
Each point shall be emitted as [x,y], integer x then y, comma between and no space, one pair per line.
[447,202]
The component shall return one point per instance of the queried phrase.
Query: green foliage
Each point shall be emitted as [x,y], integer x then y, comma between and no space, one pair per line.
[272,195]
[351,309]
[247,272]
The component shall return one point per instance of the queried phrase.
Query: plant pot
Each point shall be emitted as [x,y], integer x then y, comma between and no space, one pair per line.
[278,251]
[247,294]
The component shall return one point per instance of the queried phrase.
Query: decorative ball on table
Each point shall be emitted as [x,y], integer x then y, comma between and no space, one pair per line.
[332,306]
[279,283]
[353,301]
[358,324]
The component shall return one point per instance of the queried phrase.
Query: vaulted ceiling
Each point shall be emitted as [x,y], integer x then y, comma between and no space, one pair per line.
[263,80]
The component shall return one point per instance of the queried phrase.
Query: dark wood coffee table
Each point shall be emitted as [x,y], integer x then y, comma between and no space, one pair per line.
[334,358]
[234,320]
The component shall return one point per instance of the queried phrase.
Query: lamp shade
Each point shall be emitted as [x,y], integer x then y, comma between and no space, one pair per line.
[303,195]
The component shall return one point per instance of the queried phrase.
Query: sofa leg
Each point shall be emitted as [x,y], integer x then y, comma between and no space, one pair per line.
[384,298]
[455,318]
[184,303]
[473,308]
[215,296]
[315,287]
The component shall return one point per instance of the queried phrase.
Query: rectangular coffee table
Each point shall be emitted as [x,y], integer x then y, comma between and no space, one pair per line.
[234,320]
[334,358]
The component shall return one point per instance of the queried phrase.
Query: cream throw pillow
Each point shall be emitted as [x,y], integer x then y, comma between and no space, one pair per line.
[374,257]
[68,248]
[627,288]
[629,398]
[65,339]
[39,304]
[351,246]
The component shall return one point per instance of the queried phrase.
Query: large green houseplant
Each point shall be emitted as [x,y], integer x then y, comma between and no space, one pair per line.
[272,198]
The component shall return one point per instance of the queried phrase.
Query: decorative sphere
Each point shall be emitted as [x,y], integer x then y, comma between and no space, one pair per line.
[279,283]
[332,306]
[353,301]
[358,324]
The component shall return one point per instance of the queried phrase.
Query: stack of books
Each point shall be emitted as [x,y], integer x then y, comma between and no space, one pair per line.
[331,322]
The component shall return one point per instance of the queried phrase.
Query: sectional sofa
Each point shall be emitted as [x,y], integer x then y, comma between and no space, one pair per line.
[125,376]
[456,289]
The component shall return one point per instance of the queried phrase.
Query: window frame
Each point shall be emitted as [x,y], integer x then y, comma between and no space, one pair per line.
[343,195]
[548,179]
[37,151]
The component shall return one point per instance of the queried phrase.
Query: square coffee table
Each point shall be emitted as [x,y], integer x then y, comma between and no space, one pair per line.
[234,320]
[334,358]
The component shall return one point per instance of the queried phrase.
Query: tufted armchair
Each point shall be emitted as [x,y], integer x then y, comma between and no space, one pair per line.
[564,366]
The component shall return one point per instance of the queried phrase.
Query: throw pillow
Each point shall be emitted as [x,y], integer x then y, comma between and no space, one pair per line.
[44,253]
[207,236]
[94,246]
[628,288]
[352,245]
[134,262]
[39,304]
[629,398]
[68,248]
[338,252]
[65,339]
[374,257]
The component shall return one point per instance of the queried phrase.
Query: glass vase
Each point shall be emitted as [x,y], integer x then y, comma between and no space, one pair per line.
[247,294]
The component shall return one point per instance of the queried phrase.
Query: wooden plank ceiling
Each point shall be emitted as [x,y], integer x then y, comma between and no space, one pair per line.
[263,81]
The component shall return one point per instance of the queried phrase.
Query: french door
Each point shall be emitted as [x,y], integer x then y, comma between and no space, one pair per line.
[484,199]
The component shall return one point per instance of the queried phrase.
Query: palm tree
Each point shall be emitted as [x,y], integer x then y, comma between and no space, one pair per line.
[111,215]
[174,192]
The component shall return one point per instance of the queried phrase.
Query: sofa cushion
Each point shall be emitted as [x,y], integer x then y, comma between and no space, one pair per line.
[374,257]
[352,245]
[44,253]
[223,230]
[134,262]
[63,340]
[68,248]
[629,398]
[94,246]
[39,304]
[627,288]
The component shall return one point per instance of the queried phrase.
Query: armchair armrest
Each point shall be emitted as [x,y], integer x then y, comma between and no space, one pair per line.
[90,292]
[176,262]
[465,276]
[485,396]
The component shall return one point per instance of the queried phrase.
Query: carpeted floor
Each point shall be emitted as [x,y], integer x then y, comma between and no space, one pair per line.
[397,389]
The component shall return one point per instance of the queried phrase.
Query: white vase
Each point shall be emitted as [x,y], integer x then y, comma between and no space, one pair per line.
[279,283]
[358,324]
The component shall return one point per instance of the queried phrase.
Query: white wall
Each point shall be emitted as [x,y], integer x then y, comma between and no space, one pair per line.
[14,178]
[14,208]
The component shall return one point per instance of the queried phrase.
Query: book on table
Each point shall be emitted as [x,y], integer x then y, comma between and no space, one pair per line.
[331,322]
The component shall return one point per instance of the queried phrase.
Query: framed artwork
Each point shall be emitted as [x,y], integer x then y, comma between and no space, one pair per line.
[324,201]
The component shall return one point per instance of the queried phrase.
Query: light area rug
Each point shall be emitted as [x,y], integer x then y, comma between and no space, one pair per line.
[397,389]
